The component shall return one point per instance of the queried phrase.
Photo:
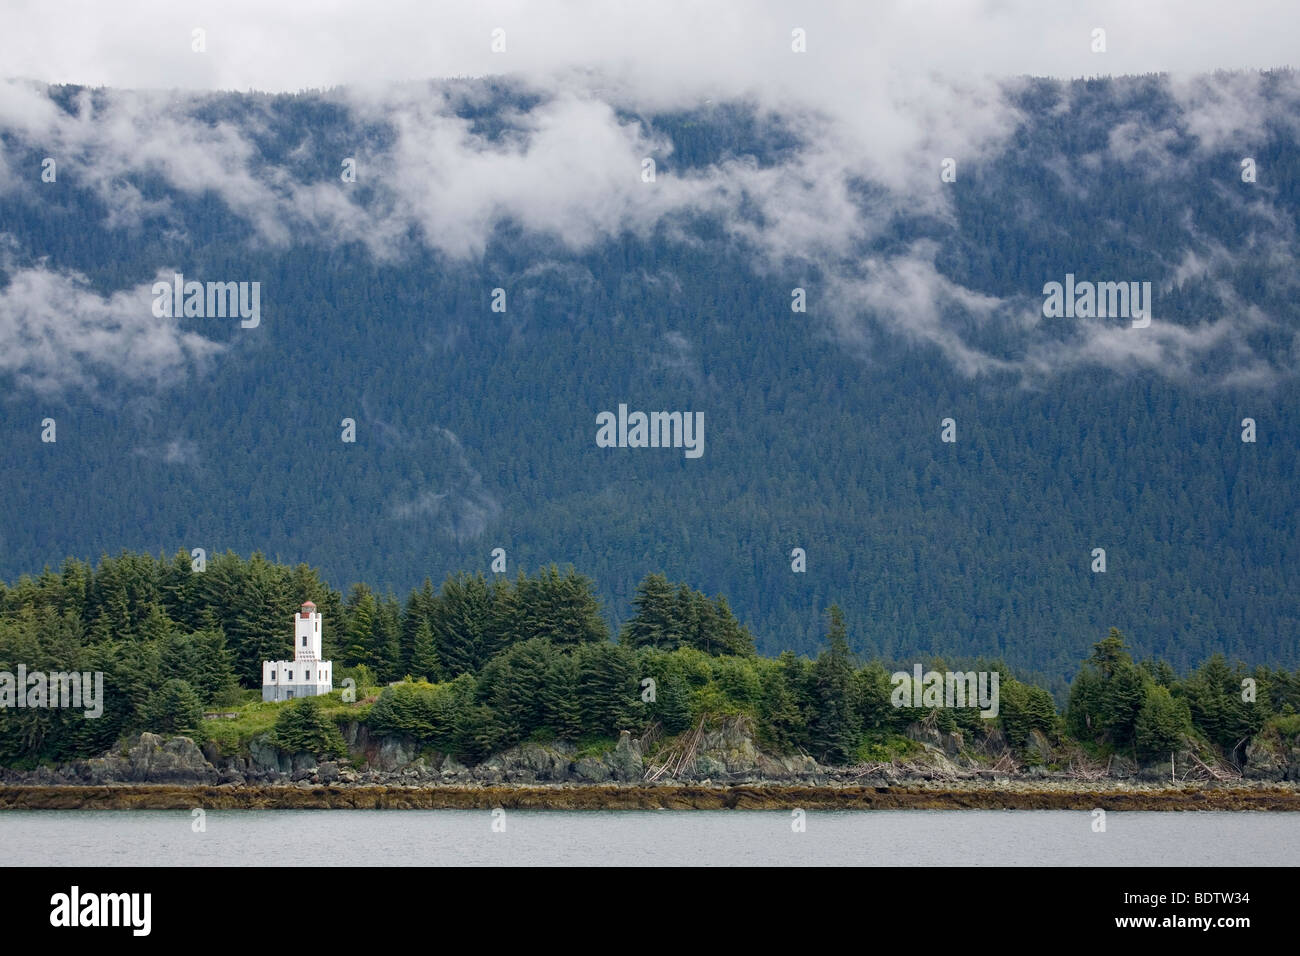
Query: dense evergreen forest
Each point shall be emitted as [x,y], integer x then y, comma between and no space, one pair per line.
[475,429]
[478,665]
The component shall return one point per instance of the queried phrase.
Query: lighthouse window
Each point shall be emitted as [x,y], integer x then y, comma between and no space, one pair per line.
[304,640]
[272,675]
[308,676]
[290,675]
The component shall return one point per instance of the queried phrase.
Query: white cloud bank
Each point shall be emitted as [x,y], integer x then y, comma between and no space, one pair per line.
[884,91]
[672,49]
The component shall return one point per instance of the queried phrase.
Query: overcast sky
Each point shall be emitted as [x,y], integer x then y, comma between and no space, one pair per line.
[676,47]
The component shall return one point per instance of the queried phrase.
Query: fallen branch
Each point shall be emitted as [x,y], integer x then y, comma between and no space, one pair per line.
[680,755]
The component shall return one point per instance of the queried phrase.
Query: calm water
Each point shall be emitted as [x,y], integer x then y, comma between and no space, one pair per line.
[439,837]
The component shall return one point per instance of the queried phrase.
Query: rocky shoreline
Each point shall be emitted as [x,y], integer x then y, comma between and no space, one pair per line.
[723,769]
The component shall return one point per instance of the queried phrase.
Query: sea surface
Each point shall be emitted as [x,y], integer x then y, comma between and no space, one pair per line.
[653,838]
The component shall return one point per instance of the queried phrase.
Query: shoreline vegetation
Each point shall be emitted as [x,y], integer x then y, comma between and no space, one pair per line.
[981,795]
[517,692]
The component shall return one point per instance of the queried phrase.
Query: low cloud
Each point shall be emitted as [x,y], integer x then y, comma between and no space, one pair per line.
[57,334]
[177,451]
[907,296]
[568,167]
[456,505]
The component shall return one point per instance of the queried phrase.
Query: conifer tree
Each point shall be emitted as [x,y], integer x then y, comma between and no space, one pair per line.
[301,727]
[174,708]
[608,688]
[561,703]
[385,640]
[654,623]
[360,613]
[462,621]
[424,654]
[1162,724]
[834,726]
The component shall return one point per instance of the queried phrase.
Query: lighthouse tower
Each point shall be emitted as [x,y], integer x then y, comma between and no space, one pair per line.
[306,675]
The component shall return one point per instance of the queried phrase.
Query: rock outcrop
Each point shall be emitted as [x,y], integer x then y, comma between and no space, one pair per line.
[1271,756]
[724,751]
[147,758]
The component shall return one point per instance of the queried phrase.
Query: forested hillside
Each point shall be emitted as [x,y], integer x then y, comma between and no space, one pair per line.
[475,429]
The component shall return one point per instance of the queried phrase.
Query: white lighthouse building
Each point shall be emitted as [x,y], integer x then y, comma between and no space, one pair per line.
[306,675]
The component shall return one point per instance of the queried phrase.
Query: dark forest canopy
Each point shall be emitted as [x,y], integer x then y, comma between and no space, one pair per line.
[479,664]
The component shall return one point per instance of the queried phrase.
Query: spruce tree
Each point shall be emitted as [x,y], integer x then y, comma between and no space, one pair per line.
[609,689]
[654,623]
[174,708]
[463,619]
[385,640]
[834,725]
[263,628]
[561,703]
[424,654]
[1162,724]
[359,626]
[301,727]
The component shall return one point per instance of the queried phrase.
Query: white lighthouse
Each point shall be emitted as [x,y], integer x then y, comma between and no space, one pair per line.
[306,675]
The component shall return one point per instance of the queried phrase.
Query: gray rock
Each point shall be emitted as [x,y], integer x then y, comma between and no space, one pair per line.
[950,744]
[1267,758]
[303,762]
[451,767]
[591,770]
[393,753]
[178,760]
[266,756]
[625,762]
[542,763]
[1038,747]
[709,767]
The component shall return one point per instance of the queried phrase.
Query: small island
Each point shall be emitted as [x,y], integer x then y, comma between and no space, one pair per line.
[512,693]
